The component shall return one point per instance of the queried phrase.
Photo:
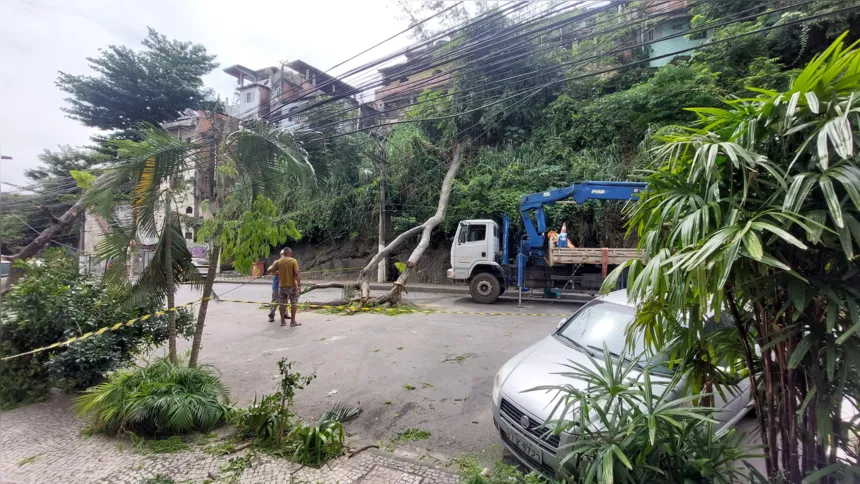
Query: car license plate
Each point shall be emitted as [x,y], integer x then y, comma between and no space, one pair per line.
[525,446]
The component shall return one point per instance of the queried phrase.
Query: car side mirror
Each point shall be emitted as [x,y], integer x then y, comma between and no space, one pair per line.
[560,323]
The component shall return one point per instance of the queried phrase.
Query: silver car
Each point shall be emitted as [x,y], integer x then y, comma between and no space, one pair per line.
[519,415]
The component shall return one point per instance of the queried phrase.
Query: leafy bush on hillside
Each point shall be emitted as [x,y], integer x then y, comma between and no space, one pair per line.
[54,302]
[157,399]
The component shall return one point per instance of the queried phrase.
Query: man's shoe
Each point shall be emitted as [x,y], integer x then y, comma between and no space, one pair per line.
[271,320]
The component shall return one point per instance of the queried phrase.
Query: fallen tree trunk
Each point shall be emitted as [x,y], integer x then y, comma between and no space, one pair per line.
[426,229]
[42,240]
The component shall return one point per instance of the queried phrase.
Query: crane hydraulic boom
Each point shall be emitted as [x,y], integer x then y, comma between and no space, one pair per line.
[579,193]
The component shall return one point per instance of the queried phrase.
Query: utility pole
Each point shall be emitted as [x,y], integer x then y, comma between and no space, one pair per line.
[381,167]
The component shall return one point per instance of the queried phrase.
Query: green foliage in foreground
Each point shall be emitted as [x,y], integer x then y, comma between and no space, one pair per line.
[471,472]
[157,399]
[276,429]
[634,429]
[54,302]
[755,210]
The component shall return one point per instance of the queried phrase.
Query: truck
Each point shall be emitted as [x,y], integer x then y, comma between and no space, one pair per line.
[480,255]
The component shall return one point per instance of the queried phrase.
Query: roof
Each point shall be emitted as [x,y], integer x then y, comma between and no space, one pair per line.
[301,67]
[238,69]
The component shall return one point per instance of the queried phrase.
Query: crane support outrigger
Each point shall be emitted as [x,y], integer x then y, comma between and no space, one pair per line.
[481,258]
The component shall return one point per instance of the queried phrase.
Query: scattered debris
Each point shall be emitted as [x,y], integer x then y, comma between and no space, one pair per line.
[388,403]
[28,460]
[459,359]
[411,434]
[333,392]
[408,387]
[399,347]
[376,350]
[424,384]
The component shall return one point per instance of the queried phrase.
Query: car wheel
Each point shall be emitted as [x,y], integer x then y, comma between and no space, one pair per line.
[484,288]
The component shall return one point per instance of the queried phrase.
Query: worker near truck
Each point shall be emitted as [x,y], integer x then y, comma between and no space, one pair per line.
[289,285]
[276,295]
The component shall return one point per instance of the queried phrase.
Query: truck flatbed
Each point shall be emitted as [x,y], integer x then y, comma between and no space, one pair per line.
[605,256]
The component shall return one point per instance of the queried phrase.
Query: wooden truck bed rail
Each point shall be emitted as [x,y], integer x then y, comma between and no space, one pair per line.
[598,256]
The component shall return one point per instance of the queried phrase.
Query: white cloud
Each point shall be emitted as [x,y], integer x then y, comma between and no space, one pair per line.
[41,37]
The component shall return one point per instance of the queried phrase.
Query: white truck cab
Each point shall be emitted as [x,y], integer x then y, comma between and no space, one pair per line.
[475,259]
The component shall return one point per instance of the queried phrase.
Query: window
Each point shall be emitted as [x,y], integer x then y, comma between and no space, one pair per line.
[249,97]
[189,236]
[477,233]
[648,35]
[404,79]
[495,232]
[189,210]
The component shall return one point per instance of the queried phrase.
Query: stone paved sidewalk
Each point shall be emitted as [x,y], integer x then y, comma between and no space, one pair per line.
[43,443]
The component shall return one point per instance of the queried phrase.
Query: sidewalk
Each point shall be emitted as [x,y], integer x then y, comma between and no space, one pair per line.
[43,443]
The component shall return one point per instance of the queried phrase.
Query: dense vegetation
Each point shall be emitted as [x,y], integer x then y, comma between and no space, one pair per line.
[54,302]
[588,128]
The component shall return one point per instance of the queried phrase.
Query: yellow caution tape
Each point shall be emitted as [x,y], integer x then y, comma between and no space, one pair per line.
[264,303]
[99,331]
[247,276]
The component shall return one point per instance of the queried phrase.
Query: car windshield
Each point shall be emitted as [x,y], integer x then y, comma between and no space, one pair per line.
[597,323]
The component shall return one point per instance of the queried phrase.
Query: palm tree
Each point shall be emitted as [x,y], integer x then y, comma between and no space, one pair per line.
[755,211]
[243,161]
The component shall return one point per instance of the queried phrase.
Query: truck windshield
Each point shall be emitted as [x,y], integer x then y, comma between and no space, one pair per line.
[598,323]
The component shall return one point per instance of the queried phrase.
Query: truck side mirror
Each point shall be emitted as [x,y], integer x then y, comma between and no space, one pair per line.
[461,238]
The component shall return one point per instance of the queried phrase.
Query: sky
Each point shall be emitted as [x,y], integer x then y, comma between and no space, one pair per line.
[40,37]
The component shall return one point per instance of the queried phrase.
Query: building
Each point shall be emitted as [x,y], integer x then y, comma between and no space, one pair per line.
[403,83]
[668,34]
[275,93]
[191,126]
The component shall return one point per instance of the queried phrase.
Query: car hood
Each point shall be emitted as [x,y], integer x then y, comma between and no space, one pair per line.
[541,367]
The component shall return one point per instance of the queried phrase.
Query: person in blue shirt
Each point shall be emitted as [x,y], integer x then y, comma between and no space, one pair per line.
[276,297]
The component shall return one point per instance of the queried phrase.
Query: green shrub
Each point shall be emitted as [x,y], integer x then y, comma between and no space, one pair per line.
[157,399]
[54,302]
[314,444]
[632,432]
[269,420]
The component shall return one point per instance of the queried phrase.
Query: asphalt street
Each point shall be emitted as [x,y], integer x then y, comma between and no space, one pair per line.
[367,359]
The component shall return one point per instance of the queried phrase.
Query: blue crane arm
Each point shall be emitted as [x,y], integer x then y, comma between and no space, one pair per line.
[580,193]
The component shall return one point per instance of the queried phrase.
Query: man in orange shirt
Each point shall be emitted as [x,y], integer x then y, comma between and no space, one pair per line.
[290,284]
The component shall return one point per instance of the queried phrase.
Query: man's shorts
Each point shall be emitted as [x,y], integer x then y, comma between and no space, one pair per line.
[290,295]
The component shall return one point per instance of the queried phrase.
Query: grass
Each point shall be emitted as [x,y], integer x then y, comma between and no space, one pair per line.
[28,460]
[412,434]
[376,350]
[424,384]
[408,387]
[388,402]
[159,479]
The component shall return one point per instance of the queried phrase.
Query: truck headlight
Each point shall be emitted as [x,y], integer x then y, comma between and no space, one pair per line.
[450,273]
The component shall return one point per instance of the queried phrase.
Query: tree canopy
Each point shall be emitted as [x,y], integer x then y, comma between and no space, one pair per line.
[153,85]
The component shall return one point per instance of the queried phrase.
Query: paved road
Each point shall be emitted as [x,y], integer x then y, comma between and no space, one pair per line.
[367,359]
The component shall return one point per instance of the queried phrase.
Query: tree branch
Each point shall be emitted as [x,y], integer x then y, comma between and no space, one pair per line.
[50,215]
[42,239]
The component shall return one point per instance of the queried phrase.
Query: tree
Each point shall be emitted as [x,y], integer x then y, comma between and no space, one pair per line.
[247,159]
[153,85]
[755,212]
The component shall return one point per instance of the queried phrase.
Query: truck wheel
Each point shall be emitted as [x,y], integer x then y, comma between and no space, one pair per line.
[484,288]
